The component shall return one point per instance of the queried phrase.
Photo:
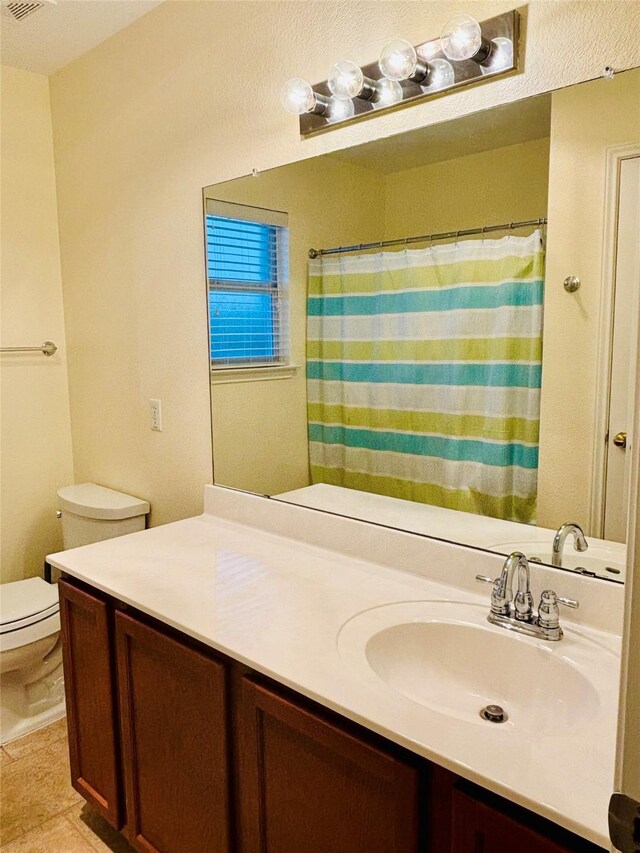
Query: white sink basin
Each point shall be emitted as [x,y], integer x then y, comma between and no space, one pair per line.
[449,659]
[605,561]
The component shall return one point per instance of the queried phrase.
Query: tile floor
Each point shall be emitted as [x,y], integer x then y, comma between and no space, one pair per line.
[39,810]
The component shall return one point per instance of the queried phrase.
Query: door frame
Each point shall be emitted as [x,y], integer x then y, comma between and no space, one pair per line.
[613,159]
[627,768]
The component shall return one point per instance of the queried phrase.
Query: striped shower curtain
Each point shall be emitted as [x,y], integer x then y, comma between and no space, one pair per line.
[423,374]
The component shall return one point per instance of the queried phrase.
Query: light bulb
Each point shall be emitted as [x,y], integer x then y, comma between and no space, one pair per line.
[297,96]
[387,92]
[441,76]
[346,80]
[429,50]
[398,60]
[501,56]
[339,109]
[461,38]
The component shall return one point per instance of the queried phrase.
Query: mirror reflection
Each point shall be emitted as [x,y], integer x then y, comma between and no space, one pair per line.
[455,356]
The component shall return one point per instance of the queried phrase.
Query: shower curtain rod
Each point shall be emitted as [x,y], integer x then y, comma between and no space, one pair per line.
[443,235]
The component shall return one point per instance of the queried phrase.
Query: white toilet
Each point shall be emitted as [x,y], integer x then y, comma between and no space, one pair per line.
[31,683]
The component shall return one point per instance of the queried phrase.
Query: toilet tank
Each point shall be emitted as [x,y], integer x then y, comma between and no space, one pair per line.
[91,513]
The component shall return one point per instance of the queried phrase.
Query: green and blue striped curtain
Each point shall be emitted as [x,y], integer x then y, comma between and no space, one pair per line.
[423,374]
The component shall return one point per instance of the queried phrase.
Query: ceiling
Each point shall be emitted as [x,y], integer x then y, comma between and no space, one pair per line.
[520,121]
[57,33]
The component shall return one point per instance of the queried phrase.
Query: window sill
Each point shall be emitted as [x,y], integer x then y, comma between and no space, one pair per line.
[222,375]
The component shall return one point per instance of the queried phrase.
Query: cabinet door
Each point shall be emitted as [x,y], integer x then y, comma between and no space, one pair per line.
[479,828]
[174,742]
[307,785]
[91,704]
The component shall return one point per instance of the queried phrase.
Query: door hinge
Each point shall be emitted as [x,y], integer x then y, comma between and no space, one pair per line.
[624,823]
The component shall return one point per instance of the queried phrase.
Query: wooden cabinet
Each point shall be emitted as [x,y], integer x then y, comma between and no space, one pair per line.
[188,752]
[479,826]
[89,680]
[174,742]
[306,784]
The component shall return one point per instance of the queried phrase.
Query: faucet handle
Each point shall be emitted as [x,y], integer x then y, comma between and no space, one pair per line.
[485,579]
[548,611]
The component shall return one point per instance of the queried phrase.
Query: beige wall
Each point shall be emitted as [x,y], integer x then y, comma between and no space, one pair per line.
[260,427]
[146,119]
[584,122]
[502,185]
[35,447]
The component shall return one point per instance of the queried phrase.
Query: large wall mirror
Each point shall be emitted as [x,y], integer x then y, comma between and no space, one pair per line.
[475,384]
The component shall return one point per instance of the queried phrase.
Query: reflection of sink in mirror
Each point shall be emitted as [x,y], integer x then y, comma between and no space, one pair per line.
[604,561]
[454,526]
[446,657]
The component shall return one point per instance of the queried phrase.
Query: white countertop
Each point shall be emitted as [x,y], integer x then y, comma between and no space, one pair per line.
[277,603]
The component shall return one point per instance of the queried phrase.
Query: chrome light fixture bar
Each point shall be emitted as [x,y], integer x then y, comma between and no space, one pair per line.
[465,53]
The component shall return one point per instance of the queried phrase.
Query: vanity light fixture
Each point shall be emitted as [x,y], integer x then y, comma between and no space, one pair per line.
[339,110]
[298,97]
[399,61]
[501,56]
[441,76]
[346,81]
[387,92]
[465,52]
[462,38]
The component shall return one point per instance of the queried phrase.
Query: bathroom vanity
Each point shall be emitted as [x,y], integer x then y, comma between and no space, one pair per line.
[224,693]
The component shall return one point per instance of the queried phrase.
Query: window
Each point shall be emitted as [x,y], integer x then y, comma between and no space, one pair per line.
[247,263]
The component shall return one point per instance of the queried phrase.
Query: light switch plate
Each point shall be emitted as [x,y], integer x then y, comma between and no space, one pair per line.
[155,410]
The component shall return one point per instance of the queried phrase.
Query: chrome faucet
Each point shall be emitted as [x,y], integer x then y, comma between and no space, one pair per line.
[502,594]
[579,541]
[516,612]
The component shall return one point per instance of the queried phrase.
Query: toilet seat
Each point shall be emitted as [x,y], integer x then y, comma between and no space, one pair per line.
[29,611]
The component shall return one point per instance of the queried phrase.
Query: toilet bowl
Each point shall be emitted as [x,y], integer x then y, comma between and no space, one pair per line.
[32,691]
[31,680]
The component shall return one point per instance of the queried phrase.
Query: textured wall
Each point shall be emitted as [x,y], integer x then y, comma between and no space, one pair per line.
[188,96]
[36,433]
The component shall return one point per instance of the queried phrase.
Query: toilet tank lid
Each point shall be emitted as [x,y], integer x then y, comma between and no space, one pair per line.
[92,501]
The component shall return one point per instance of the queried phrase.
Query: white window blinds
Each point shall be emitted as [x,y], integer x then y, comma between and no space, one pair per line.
[247,264]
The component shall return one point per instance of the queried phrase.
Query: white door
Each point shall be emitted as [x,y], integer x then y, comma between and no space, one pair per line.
[624,347]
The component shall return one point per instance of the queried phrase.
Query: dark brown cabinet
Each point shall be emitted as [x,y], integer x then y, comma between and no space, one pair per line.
[307,785]
[89,680]
[479,826]
[174,741]
[189,752]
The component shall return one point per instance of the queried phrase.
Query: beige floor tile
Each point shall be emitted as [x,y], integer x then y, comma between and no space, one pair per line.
[5,758]
[56,835]
[37,740]
[96,830]
[35,788]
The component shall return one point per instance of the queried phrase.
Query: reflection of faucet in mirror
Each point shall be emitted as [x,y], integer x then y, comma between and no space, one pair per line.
[579,541]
